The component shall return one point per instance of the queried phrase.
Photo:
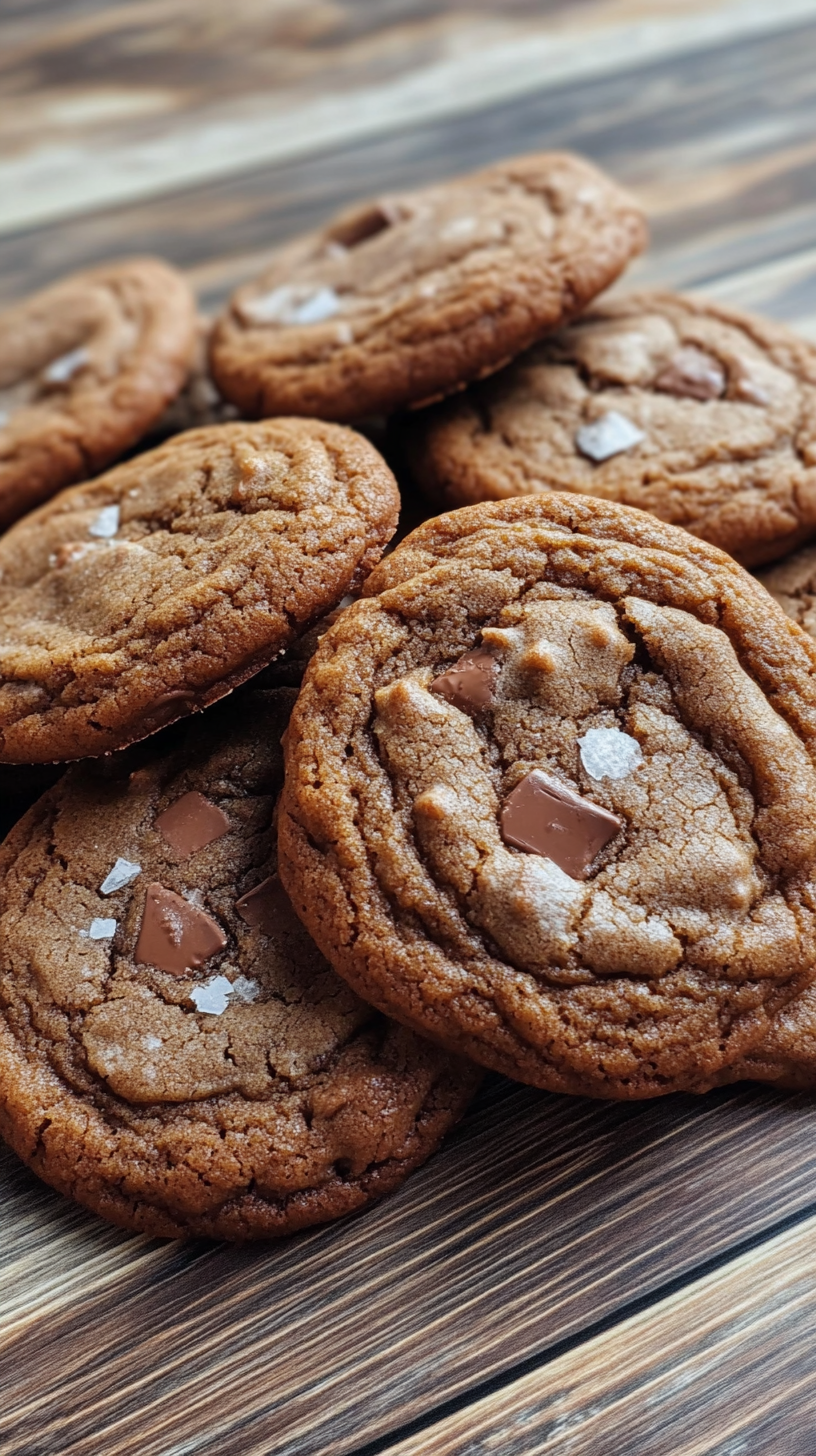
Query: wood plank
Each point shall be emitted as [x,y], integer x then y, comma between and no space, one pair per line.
[114,103]
[732,127]
[541,1216]
[726,1367]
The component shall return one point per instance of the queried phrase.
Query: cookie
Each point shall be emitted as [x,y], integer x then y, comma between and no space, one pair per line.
[792,584]
[157,588]
[787,1056]
[198,403]
[702,415]
[407,297]
[175,1053]
[550,797]
[86,367]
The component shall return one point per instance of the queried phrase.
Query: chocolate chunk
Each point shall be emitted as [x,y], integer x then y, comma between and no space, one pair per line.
[544,817]
[166,709]
[266,907]
[471,682]
[745,387]
[191,823]
[175,935]
[693,373]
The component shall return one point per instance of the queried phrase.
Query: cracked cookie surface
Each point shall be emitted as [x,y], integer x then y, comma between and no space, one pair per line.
[551,798]
[86,367]
[792,584]
[174,1051]
[407,297]
[701,415]
[147,593]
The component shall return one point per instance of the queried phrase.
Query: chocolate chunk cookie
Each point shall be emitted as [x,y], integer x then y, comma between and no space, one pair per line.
[155,589]
[407,297]
[701,415]
[787,1056]
[174,1052]
[551,797]
[198,403]
[86,366]
[792,583]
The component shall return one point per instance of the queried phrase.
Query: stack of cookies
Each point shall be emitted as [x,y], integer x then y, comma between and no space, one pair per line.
[546,800]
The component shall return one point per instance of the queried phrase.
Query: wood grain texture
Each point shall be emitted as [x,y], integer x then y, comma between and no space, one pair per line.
[541,1216]
[723,196]
[725,1368]
[176,91]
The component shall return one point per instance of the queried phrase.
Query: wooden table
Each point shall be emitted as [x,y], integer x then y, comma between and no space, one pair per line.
[565,1276]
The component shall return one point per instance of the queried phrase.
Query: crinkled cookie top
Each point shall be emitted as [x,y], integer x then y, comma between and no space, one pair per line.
[86,367]
[792,584]
[704,416]
[153,590]
[174,1051]
[551,796]
[408,297]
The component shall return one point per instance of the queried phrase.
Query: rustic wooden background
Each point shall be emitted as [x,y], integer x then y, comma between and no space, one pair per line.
[564,1276]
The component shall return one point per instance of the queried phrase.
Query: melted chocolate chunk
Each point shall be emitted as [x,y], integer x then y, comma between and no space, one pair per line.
[543,817]
[191,823]
[266,907]
[471,683]
[694,374]
[167,708]
[176,936]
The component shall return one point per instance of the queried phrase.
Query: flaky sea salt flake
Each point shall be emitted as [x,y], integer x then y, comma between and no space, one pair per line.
[101,929]
[611,435]
[213,997]
[292,304]
[64,368]
[323,304]
[122,873]
[106,524]
[244,990]
[607,753]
